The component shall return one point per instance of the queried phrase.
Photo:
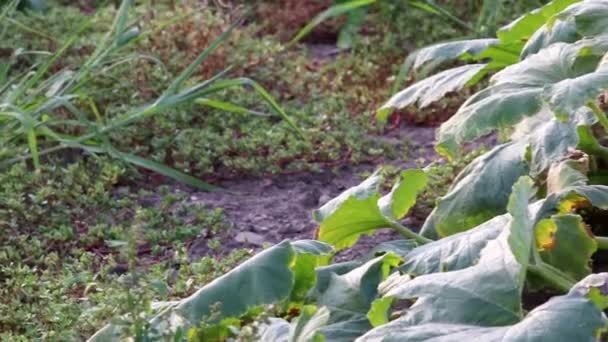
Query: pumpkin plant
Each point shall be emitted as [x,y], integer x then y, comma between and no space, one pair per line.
[522,218]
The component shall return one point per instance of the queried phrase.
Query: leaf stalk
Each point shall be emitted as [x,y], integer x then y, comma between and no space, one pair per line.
[554,277]
[408,233]
[602,242]
[599,114]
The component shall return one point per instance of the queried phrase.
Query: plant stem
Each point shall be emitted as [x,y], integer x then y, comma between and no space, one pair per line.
[599,114]
[408,233]
[602,242]
[554,277]
[588,143]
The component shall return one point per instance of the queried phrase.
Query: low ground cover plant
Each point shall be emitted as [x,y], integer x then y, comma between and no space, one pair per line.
[509,253]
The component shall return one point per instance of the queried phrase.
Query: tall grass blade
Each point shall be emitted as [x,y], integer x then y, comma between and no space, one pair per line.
[243,81]
[172,89]
[162,169]
[41,71]
[227,106]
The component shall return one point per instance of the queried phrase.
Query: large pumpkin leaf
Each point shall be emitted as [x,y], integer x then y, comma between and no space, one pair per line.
[344,295]
[429,90]
[352,293]
[560,31]
[454,252]
[426,59]
[549,139]
[565,242]
[511,38]
[487,293]
[567,96]
[572,198]
[469,201]
[514,36]
[266,278]
[590,17]
[582,19]
[518,91]
[521,29]
[542,138]
[576,316]
[360,210]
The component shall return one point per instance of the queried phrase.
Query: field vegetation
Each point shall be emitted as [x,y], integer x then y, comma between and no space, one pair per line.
[317,170]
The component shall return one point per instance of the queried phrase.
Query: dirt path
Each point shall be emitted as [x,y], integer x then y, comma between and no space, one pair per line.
[271,209]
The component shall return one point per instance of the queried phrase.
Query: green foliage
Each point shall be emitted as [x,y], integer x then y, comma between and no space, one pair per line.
[31,105]
[491,13]
[78,248]
[519,217]
[546,98]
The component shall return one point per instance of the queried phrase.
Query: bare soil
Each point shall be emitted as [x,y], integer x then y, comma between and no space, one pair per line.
[270,209]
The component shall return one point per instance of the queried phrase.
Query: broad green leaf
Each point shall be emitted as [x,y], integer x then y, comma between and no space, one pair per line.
[345,331]
[377,314]
[429,90]
[565,242]
[487,293]
[311,254]
[354,212]
[347,291]
[576,316]
[454,252]
[518,91]
[549,139]
[567,96]
[590,17]
[480,191]
[349,297]
[360,210]
[402,197]
[511,38]
[521,29]
[266,278]
[560,31]
[353,292]
[398,247]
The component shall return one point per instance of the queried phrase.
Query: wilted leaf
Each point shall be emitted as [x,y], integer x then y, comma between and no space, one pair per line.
[569,172]
[565,242]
